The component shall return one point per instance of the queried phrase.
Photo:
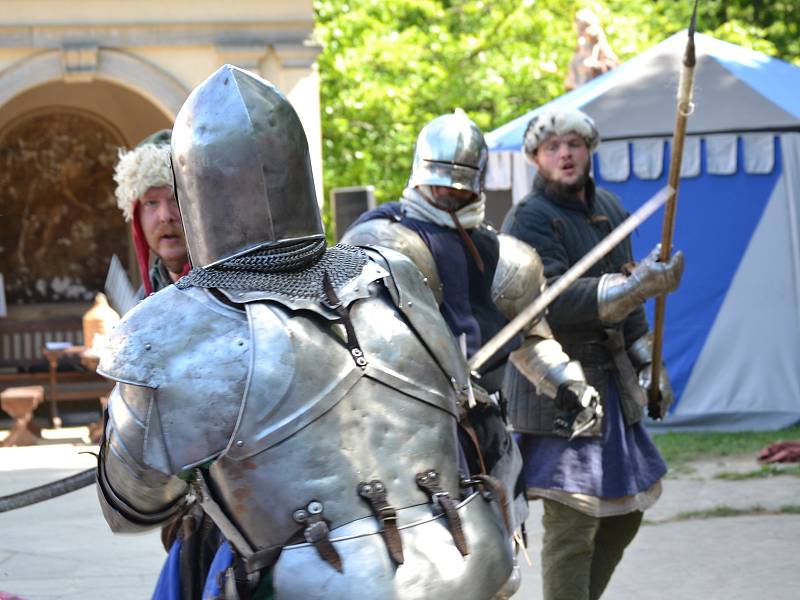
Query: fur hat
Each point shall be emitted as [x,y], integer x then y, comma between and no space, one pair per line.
[144,167]
[559,122]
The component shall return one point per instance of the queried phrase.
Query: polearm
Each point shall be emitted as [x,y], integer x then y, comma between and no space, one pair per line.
[537,307]
[685,108]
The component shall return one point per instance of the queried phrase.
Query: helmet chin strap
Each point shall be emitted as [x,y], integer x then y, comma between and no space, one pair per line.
[468,242]
[452,206]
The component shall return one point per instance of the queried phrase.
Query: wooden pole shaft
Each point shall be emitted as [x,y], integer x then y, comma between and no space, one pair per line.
[668,227]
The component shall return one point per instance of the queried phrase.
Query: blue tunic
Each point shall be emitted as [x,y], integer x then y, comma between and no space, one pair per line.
[467,306]
[623,463]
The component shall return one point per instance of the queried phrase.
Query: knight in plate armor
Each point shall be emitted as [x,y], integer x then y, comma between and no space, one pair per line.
[306,397]
[481,278]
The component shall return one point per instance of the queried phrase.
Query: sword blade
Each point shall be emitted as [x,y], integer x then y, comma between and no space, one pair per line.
[521,321]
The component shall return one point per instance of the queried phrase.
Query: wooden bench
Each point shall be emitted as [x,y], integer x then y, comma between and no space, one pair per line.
[24,361]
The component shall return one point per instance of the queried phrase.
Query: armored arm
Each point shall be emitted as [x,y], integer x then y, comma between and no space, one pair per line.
[518,280]
[641,355]
[618,295]
[134,493]
[393,235]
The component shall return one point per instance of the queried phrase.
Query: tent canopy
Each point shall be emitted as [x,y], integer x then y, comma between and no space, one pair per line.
[736,90]
[732,332]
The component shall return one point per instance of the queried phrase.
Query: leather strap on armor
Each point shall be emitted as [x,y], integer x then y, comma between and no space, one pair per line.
[468,242]
[254,560]
[215,512]
[317,533]
[473,438]
[336,304]
[374,492]
[429,482]
[493,489]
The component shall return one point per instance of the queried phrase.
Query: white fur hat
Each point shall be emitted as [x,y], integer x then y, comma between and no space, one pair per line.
[559,122]
[143,167]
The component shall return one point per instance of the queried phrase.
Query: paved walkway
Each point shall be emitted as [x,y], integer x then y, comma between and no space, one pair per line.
[748,557]
[62,549]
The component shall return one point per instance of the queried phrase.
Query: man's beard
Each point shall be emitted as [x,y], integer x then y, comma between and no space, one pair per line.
[557,189]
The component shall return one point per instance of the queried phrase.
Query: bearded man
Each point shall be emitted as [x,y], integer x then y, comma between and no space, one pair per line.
[594,488]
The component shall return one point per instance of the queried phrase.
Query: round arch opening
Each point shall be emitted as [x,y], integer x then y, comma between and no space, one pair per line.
[58,147]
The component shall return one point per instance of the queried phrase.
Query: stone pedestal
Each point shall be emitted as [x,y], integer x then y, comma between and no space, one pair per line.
[20,402]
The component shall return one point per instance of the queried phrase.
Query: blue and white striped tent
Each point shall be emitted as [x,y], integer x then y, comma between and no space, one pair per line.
[733,328]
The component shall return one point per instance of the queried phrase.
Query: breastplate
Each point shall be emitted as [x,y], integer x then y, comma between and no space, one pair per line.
[328,424]
[315,425]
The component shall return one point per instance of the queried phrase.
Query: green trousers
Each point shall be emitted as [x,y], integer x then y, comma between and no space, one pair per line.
[579,552]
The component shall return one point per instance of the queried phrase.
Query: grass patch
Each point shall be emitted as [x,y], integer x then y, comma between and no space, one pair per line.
[718,512]
[721,512]
[678,449]
[763,472]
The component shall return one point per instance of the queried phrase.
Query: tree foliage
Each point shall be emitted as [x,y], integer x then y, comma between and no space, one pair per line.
[388,67]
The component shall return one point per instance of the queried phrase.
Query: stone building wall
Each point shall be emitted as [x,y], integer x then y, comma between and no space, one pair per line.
[80,78]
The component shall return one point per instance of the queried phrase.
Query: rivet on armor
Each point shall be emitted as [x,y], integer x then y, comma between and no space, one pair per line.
[315,507]
[147,346]
[410,304]
[300,515]
[239,443]
[356,352]
[240,343]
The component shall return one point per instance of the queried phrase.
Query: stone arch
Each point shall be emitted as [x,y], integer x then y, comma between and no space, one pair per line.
[62,223]
[112,65]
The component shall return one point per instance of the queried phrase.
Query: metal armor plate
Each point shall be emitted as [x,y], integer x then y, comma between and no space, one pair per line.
[393,235]
[519,278]
[411,294]
[197,367]
[330,424]
[433,568]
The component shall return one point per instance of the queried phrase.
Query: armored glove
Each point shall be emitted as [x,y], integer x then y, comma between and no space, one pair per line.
[657,410]
[618,295]
[578,407]
[641,355]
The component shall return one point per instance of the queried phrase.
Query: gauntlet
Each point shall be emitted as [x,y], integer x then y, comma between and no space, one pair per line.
[618,295]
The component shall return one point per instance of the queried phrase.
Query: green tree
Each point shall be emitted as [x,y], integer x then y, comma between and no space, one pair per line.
[388,67]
